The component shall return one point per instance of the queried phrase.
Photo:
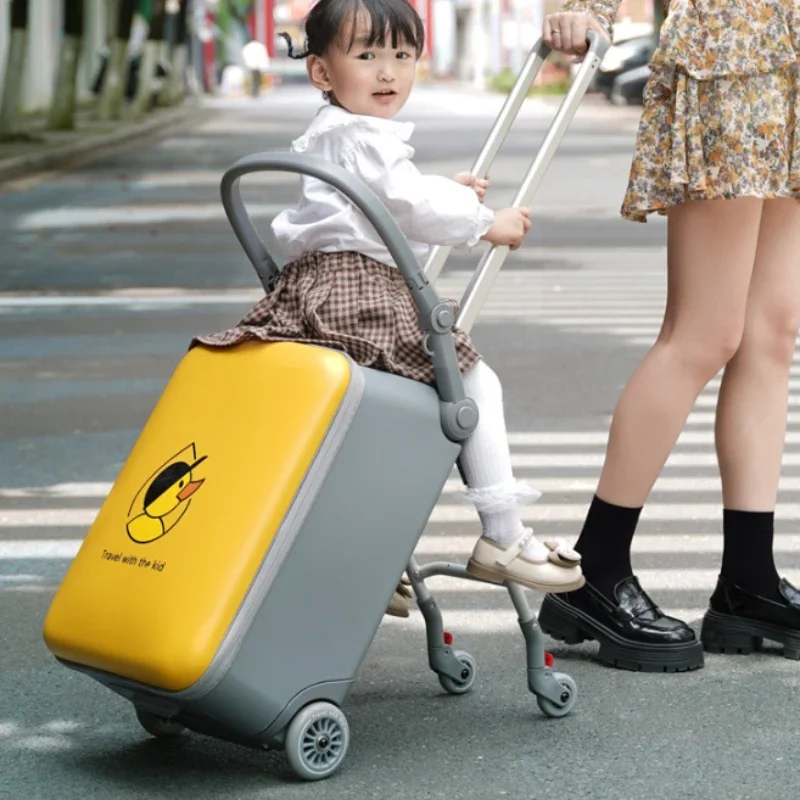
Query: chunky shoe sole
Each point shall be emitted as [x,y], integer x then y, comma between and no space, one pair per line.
[572,626]
[723,633]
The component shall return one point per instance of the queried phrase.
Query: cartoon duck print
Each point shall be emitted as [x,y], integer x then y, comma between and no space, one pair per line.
[167,493]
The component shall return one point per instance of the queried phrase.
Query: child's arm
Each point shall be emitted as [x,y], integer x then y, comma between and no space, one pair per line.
[428,208]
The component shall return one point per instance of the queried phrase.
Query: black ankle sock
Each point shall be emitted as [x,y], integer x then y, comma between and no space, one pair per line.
[605,544]
[747,558]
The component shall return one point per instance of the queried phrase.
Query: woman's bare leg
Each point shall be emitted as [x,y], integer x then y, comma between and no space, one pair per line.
[751,412]
[712,247]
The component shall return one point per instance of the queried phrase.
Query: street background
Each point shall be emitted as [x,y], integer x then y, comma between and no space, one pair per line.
[109,269]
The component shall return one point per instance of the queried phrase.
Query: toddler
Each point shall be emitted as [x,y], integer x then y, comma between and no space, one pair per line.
[342,289]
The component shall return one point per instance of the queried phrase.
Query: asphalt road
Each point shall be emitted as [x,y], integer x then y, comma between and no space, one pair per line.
[107,273]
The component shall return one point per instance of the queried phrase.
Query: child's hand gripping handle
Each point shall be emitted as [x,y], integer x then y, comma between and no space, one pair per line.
[459,414]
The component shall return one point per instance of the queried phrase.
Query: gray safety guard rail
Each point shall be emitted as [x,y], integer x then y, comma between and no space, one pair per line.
[459,414]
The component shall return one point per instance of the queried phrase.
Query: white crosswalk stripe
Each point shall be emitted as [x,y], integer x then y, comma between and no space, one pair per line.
[623,304]
[679,544]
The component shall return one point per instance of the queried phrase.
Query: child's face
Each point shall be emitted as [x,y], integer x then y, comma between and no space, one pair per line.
[373,81]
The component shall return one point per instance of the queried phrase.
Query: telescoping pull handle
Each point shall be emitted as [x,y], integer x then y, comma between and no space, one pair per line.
[459,414]
[486,271]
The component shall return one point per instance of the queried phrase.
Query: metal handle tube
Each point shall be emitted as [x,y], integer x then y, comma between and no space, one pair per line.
[483,277]
[494,141]
[435,318]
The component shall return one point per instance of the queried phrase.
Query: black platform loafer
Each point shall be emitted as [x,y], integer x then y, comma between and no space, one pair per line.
[738,621]
[633,633]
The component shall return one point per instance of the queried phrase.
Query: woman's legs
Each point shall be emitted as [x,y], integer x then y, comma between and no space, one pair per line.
[751,413]
[711,251]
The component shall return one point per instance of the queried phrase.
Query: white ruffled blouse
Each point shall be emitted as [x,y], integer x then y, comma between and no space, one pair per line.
[430,210]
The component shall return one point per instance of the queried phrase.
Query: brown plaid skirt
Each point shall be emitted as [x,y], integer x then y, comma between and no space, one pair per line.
[350,302]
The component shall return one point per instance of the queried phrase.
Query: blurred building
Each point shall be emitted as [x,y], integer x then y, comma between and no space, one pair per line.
[467,38]
[484,36]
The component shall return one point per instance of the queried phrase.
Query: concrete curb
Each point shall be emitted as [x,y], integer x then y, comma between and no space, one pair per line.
[56,156]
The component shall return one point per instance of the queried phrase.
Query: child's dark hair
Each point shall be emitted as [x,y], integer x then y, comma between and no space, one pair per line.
[325,25]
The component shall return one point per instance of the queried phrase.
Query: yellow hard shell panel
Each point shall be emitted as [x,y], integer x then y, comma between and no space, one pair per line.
[177,543]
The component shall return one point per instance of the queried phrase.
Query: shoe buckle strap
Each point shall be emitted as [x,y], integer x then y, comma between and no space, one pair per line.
[559,548]
[513,551]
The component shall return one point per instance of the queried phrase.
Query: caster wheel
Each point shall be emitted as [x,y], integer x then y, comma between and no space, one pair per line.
[317,740]
[158,726]
[568,696]
[468,675]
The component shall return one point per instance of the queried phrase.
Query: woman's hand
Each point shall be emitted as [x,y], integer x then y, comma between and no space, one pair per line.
[566,31]
[479,185]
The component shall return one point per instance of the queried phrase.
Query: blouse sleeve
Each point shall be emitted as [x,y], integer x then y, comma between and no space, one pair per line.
[604,11]
[428,208]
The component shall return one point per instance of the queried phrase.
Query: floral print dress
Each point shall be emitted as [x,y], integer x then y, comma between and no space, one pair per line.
[721,104]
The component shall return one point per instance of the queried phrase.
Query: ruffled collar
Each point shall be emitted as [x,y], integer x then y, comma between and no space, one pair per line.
[331,117]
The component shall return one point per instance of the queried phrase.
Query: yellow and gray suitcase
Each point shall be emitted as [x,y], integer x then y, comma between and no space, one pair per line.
[239,568]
